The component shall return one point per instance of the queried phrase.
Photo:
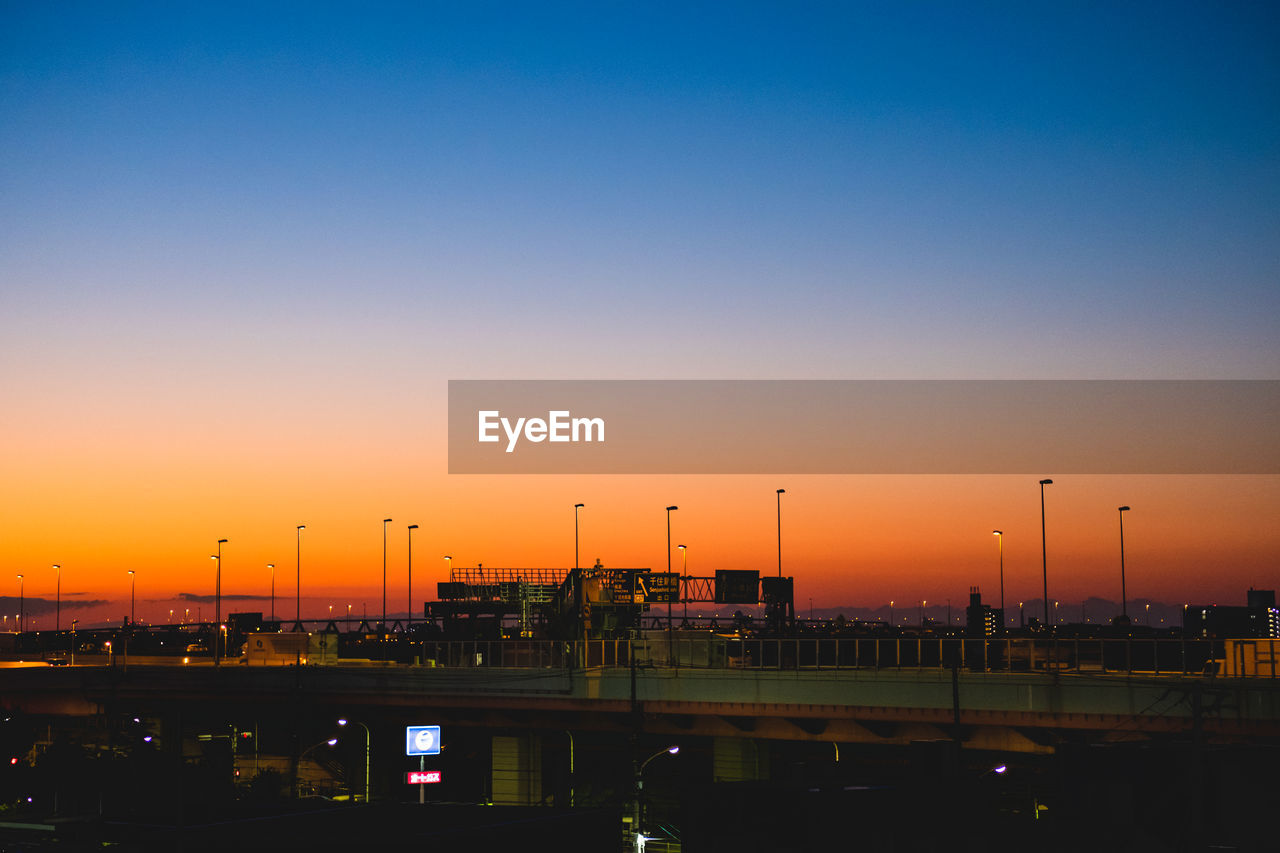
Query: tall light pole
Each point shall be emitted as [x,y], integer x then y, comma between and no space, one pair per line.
[639,794]
[385,522]
[670,637]
[57,610]
[1124,605]
[576,507]
[272,567]
[297,602]
[448,564]
[412,527]
[217,589]
[684,571]
[217,598]
[1044,553]
[133,588]
[669,511]
[781,492]
[22,603]
[999,534]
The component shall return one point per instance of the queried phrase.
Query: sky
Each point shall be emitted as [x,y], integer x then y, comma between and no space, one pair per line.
[243,248]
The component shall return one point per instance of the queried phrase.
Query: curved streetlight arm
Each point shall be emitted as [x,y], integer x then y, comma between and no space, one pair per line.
[671,750]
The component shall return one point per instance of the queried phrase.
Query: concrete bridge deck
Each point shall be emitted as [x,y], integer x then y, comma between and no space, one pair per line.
[1022,711]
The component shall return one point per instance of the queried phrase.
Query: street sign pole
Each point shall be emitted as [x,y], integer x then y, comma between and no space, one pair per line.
[422,789]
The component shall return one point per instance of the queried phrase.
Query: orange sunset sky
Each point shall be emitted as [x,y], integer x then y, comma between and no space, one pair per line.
[242,254]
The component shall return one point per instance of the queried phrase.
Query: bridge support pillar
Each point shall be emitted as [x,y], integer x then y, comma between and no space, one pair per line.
[739,760]
[517,770]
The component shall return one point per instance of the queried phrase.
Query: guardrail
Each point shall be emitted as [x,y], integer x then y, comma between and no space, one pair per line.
[1247,658]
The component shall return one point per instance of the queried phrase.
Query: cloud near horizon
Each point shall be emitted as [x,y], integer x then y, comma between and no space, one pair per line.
[209,599]
[41,606]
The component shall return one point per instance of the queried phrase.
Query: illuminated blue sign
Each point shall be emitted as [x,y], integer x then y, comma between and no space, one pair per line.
[422,740]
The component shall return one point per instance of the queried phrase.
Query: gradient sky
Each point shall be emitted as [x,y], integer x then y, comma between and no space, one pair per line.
[242,250]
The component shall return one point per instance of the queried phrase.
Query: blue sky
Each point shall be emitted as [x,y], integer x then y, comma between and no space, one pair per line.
[842,190]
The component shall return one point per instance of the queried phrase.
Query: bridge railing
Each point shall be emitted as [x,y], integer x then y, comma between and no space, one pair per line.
[1248,658]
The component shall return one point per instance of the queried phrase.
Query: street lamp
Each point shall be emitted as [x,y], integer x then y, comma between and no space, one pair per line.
[781,492]
[576,507]
[448,564]
[412,527]
[1124,605]
[22,603]
[639,793]
[891,612]
[297,612]
[57,611]
[343,722]
[133,588]
[217,589]
[385,522]
[297,780]
[272,567]
[999,534]
[684,571]
[671,652]
[1044,552]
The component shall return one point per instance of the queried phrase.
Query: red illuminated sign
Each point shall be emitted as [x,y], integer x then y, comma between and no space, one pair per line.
[422,777]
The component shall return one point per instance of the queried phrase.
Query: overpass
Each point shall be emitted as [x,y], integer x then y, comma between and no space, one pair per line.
[1013,695]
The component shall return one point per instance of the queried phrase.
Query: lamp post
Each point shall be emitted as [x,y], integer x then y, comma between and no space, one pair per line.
[684,571]
[297,781]
[343,722]
[133,588]
[57,610]
[781,492]
[412,527]
[671,652]
[891,612]
[576,507]
[217,598]
[22,603]
[272,567]
[999,534]
[448,564]
[297,602]
[1044,553]
[385,522]
[639,793]
[1124,605]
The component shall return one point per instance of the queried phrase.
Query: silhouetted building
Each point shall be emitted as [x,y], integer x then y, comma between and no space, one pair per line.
[1259,618]
[980,619]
